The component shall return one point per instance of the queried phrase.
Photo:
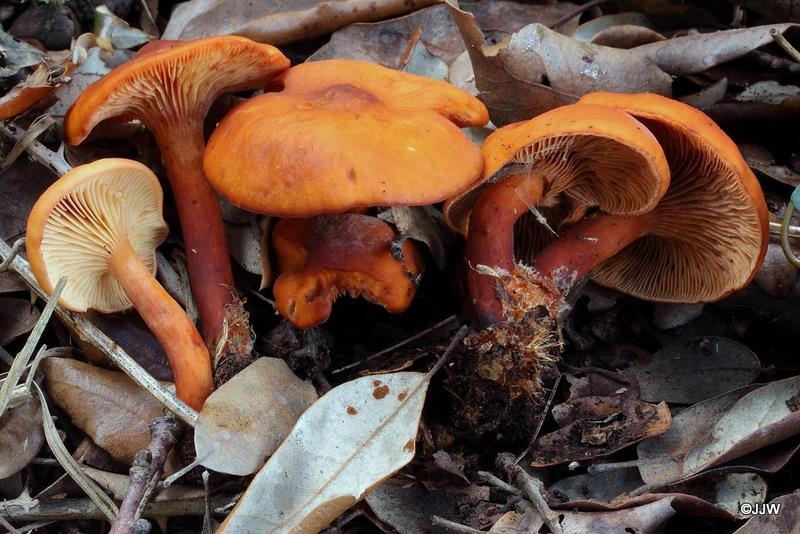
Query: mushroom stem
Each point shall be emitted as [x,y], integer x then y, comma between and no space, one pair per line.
[207,257]
[491,238]
[187,354]
[586,245]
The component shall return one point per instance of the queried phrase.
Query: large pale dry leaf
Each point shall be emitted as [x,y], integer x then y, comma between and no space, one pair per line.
[244,244]
[508,98]
[21,436]
[107,405]
[537,53]
[243,422]
[386,42]
[278,22]
[765,416]
[17,317]
[600,487]
[695,369]
[598,426]
[349,441]
[661,458]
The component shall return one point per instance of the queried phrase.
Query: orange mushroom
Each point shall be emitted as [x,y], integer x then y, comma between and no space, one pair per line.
[706,238]
[321,258]
[587,154]
[99,225]
[169,87]
[336,149]
[401,90]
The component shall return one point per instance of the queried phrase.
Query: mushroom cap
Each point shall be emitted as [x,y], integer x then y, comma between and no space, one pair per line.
[323,257]
[710,232]
[593,156]
[80,219]
[400,90]
[341,148]
[170,83]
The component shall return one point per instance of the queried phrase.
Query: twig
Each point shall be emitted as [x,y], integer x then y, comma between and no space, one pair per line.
[783,43]
[396,346]
[145,471]
[412,45]
[15,248]
[575,12]
[775,229]
[489,478]
[533,488]
[85,330]
[452,526]
[451,348]
[8,526]
[52,160]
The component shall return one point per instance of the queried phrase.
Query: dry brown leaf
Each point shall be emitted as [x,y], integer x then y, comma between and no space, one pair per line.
[348,442]
[246,419]
[598,426]
[499,19]
[278,22]
[17,317]
[695,369]
[107,405]
[649,518]
[21,436]
[386,42]
[10,283]
[410,509]
[22,184]
[425,224]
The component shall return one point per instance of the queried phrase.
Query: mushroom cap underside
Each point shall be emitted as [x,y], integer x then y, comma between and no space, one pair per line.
[80,219]
[174,83]
[709,234]
[591,155]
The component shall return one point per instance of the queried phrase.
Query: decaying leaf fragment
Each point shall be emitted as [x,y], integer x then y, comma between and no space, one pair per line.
[349,441]
[17,317]
[243,422]
[596,426]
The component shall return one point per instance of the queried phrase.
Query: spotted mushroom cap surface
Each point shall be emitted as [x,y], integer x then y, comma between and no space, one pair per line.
[402,90]
[172,82]
[82,217]
[334,150]
[590,155]
[709,233]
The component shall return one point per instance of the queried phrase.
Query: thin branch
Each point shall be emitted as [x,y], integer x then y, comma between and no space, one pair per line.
[533,488]
[783,43]
[145,472]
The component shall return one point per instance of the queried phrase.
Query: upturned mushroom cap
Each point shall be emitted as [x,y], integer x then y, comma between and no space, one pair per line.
[174,83]
[399,89]
[330,151]
[709,234]
[592,155]
[79,220]
[321,258]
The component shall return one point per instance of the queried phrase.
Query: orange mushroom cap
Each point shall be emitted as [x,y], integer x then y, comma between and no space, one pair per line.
[321,258]
[710,232]
[402,90]
[336,149]
[173,83]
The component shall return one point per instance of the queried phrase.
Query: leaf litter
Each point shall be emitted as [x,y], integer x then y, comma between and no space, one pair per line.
[632,369]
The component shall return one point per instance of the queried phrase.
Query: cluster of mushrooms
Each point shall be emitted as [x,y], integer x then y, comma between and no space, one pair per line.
[646,194]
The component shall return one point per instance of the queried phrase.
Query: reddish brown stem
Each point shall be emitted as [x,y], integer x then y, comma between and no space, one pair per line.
[207,257]
[491,238]
[186,352]
[586,245]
